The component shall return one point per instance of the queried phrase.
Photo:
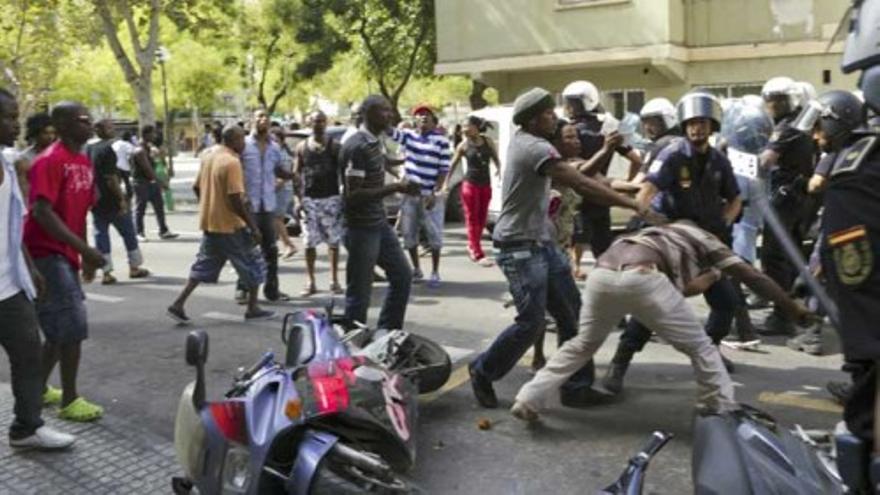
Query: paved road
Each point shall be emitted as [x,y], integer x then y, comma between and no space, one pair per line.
[133,364]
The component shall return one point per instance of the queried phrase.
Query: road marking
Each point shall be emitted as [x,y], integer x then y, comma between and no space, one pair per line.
[456,354]
[90,296]
[216,315]
[787,399]
[458,377]
[167,288]
[811,388]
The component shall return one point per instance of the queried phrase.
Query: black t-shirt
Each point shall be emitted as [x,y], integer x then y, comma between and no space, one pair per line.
[478,158]
[103,160]
[796,154]
[320,169]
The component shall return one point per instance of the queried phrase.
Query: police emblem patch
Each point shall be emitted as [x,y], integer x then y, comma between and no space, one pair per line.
[684,177]
[853,257]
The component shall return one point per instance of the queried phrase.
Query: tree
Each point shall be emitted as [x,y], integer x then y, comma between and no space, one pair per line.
[137,67]
[35,35]
[396,37]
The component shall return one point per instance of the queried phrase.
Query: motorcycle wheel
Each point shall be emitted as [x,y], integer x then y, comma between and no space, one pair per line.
[436,361]
[339,478]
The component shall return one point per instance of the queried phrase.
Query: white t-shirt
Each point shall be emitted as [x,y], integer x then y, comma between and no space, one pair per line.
[123,150]
[8,287]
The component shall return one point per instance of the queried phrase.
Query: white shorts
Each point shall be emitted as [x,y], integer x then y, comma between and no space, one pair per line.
[323,222]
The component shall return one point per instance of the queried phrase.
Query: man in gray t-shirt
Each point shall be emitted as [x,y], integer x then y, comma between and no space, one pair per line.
[525,191]
[538,273]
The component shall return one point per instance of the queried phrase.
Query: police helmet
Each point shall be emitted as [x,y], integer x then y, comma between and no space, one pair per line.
[837,113]
[699,105]
[585,92]
[862,50]
[662,108]
[782,86]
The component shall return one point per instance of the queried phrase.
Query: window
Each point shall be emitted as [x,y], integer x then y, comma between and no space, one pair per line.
[569,4]
[619,102]
[732,90]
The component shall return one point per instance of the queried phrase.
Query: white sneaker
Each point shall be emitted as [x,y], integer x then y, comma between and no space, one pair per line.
[44,438]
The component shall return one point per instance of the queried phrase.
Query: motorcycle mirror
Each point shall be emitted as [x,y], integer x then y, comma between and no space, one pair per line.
[197,348]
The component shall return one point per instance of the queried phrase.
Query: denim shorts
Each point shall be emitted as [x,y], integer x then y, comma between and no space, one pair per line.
[239,249]
[283,199]
[62,312]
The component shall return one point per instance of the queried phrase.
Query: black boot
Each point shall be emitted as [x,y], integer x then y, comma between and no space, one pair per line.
[613,381]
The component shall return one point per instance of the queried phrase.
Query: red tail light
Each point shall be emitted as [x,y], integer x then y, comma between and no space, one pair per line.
[230,419]
[330,382]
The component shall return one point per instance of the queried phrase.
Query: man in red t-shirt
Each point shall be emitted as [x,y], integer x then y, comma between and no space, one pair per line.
[62,192]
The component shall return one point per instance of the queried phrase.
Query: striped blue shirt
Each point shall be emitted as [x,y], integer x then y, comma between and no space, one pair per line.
[427,156]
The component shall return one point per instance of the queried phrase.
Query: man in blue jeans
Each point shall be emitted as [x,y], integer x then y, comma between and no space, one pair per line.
[112,206]
[369,238]
[537,272]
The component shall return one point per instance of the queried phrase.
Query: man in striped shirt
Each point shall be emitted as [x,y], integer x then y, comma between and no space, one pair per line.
[648,275]
[427,157]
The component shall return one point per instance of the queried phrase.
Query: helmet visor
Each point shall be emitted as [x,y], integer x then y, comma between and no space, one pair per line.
[809,116]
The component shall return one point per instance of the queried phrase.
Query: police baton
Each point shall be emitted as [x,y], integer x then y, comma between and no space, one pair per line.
[794,255]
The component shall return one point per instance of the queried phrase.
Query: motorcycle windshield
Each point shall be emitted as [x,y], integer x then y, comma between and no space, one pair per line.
[746,126]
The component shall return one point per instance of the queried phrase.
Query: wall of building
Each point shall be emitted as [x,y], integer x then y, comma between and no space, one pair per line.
[476,29]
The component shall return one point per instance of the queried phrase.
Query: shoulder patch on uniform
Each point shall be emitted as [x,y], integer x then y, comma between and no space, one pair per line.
[853,254]
[655,167]
[852,158]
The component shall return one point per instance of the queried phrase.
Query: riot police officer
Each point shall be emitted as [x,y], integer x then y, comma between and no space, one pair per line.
[583,108]
[690,180]
[790,157]
[851,230]
[831,119]
[660,126]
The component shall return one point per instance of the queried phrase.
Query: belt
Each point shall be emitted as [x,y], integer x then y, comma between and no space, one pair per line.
[515,244]
[652,267]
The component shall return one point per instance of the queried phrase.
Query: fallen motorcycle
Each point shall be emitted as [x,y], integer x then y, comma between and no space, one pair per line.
[338,416]
[743,452]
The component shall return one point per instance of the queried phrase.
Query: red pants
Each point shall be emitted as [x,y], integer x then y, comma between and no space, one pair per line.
[475,200]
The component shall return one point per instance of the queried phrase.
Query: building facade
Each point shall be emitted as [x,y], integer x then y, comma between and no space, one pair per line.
[634,50]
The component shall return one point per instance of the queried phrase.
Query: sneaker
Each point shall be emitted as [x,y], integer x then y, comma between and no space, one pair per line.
[259,315]
[485,262]
[756,302]
[417,276]
[742,342]
[585,397]
[808,342]
[776,324]
[108,279]
[168,235]
[178,315]
[138,273]
[523,412]
[51,396]
[81,411]
[434,281]
[44,438]
[276,296]
[142,238]
[482,388]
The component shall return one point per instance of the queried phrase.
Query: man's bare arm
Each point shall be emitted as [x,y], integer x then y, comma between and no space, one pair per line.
[731,210]
[768,289]
[590,189]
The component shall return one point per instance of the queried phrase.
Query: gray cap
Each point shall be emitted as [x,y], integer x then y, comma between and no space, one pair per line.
[531,103]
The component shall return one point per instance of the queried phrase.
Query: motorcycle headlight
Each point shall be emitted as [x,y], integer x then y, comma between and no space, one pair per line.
[236,471]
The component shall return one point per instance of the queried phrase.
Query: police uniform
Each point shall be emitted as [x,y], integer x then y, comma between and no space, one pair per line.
[788,195]
[850,253]
[593,224]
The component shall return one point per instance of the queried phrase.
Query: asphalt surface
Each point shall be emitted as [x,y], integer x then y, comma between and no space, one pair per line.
[133,364]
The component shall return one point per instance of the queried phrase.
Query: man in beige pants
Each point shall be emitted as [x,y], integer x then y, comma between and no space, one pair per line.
[648,275]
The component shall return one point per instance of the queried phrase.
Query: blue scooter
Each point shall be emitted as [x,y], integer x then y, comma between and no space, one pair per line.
[338,416]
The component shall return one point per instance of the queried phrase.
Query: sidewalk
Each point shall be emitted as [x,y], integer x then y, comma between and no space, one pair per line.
[111,456]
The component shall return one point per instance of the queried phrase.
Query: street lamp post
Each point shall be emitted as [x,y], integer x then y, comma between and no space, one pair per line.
[162,56]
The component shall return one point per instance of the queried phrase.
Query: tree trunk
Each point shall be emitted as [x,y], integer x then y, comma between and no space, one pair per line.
[143,93]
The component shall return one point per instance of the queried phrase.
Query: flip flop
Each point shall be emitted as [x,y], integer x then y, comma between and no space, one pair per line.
[51,396]
[81,411]
[308,290]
